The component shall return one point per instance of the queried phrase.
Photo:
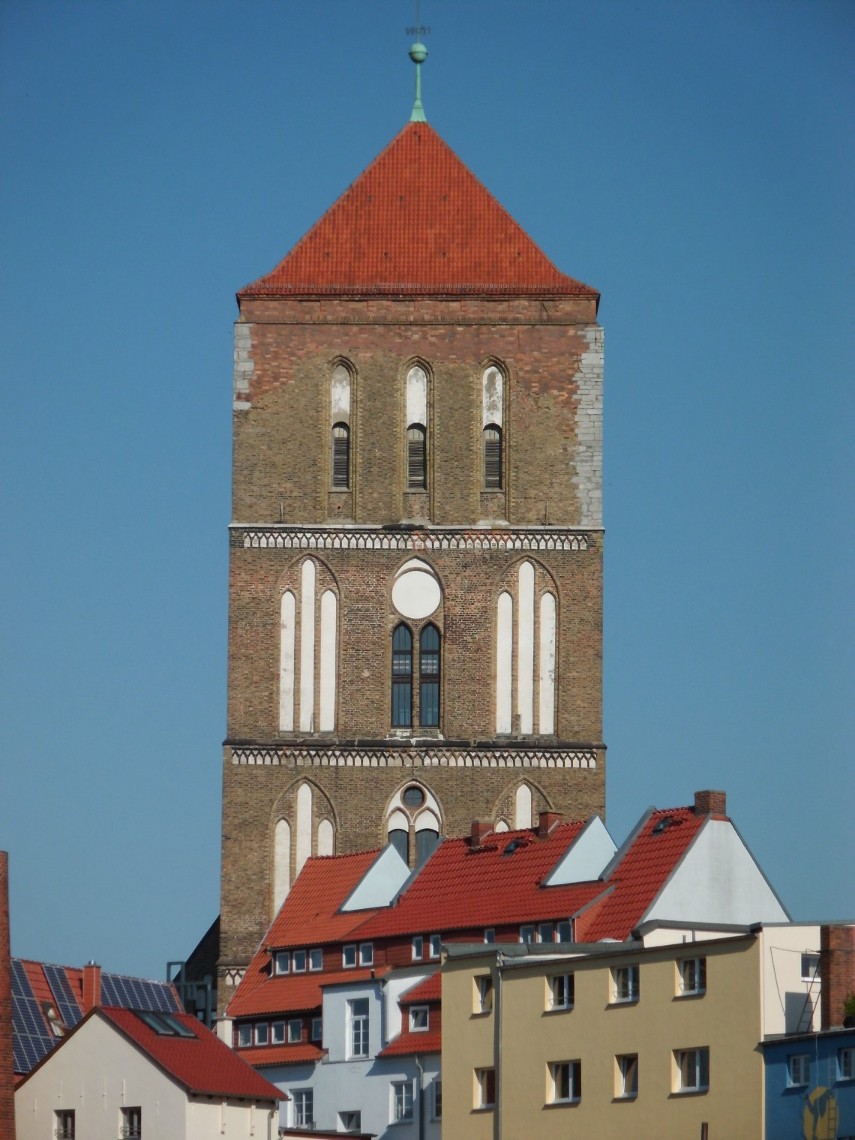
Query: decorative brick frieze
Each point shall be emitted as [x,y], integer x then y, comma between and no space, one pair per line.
[377,538]
[513,757]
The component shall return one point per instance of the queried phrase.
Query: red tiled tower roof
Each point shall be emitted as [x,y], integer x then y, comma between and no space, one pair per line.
[416,222]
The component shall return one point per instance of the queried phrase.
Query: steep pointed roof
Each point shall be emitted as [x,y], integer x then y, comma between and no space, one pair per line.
[416,222]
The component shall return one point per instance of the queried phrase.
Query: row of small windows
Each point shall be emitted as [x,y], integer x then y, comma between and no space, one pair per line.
[417,457]
[401,1107]
[280,1031]
[798,1067]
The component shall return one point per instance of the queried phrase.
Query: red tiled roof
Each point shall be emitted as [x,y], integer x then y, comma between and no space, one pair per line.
[651,856]
[416,221]
[203,1064]
[408,1044]
[261,992]
[458,888]
[310,915]
[428,989]
[281,1054]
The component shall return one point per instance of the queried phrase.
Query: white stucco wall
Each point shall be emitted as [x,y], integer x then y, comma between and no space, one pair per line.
[587,858]
[790,1005]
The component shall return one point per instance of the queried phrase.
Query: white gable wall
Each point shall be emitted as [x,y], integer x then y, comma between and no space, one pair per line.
[380,883]
[586,858]
[717,881]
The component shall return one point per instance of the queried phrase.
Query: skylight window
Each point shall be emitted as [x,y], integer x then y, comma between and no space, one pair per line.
[165,1024]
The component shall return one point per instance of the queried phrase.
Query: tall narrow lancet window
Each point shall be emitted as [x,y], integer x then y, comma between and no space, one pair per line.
[492,422]
[417,425]
[341,457]
[429,677]
[340,473]
[402,677]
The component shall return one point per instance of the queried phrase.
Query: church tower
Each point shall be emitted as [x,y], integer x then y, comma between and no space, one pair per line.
[415,597]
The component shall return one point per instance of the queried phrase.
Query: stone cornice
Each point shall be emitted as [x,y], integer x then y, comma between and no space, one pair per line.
[344,756]
[273,536]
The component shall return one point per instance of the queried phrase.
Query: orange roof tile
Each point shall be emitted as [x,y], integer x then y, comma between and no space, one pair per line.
[408,1044]
[261,992]
[428,989]
[281,1054]
[310,915]
[416,221]
[644,867]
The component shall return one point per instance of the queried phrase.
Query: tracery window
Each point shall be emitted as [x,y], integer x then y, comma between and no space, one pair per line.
[402,677]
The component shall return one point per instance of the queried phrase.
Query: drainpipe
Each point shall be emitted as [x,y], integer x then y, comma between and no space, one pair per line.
[419,1066]
[497,1046]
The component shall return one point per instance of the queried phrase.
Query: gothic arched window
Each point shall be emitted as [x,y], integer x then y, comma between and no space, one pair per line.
[341,456]
[416,458]
[402,677]
[492,458]
[429,677]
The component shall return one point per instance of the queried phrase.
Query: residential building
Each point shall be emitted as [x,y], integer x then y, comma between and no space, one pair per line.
[342,1006]
[137,1074]
[415,589]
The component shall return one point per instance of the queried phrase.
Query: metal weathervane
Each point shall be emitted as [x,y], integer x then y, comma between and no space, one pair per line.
[418,54]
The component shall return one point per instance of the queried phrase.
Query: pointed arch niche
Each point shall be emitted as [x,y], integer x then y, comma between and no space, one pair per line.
[526,651]
[413,823]
[304,825]
[308,650]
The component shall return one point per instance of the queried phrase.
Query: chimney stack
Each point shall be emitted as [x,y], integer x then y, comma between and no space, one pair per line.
[480,830]
[710,803]
[546,821]
[7,1063]
[91,986]
[836,971]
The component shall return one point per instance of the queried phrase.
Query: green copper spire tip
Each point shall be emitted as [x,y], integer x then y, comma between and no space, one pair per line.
[418,54]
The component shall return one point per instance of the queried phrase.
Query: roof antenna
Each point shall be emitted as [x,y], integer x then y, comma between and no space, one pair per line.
[418,54]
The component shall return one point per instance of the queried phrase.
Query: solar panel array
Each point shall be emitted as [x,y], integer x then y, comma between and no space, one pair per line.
[138,993]
[31,1037]
[60,987]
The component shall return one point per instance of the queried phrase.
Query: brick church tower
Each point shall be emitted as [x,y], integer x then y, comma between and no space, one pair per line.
[415,599]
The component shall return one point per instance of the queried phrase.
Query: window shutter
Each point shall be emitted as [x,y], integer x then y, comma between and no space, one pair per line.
[341,456]
[493,459]
[416,459]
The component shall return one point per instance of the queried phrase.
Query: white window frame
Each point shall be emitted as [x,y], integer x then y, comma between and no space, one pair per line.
[692,977]
[317,1029]
[295,1031]
[810,966]
[798,1070]
[402,1102]
[436,1098]
[562,928]
[418,947]
[244,1035]
[692,1070]
[348,956]
[626,1076]
[366,953]
[528,934]
[419,1018]
[261,1036]
[546,929]
[561,991]
[300,1098]
[277,1033]
[358,1029]
[299,961]
[564,1082]
[846,1063]
[489,935]
[434,945]
[282,962]
[483,1079]
[316,959]
[626,987]
[483,993]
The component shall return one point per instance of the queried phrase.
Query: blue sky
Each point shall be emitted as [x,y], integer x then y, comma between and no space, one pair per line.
[692,160]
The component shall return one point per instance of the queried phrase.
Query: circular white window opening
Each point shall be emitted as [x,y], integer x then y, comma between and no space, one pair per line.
[416,594]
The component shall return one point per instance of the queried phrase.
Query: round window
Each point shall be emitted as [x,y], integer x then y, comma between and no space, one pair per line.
[413,797]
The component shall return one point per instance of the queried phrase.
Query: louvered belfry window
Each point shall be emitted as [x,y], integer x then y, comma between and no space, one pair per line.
[416,458]
[341,456]
[493,458]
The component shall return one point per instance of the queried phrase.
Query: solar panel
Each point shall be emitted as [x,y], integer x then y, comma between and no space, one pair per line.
[138,993]
[68,1008]
[31,1037]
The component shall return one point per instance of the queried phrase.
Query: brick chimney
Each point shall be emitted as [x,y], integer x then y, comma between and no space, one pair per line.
[481,828]
[710,803]
[546,821]
[836,971]
[7,1083]
[91,986]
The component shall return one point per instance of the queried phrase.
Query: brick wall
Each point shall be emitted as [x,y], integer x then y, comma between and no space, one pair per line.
[837,971]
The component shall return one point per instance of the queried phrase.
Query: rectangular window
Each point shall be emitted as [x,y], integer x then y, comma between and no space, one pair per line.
[561,991]
[526,934]
[490,935]
[416,458]
[262,1030]
[350,1121]
[298,962]
[244,1036]
[366,953]
[437,1099]
[485,1088]
[317,1029]
[626,1076]
[358,1010]
[625,987]
[295,1031]
[810,967]
[348,955]
[418,947]
[798,1069]
[483,993]
[435,945]
[65,1124]
[402,1101]
[692,1070]
[545,932]
[846,1064]
[277,1033]
[131,1123]
[419,1019]
[304,1107]
[693,976]
[564,931]
[282,961]
[316,959]
[565,1082]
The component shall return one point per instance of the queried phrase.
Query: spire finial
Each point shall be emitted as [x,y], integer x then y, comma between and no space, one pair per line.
[418,54]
